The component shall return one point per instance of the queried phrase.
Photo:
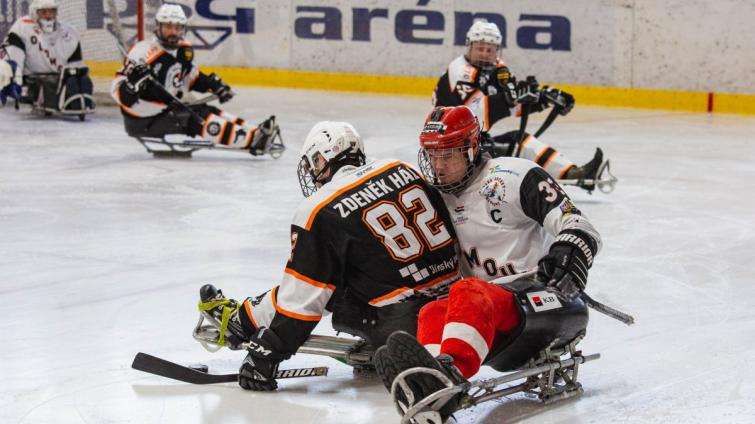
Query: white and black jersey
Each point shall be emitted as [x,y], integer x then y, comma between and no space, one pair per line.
[379,230]
[462,84]
[509,215]
[174,69]
[39,52]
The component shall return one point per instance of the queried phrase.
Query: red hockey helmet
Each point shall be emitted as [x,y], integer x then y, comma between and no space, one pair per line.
[450,146]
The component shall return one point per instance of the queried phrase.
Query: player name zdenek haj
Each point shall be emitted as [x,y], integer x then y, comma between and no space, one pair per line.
[374,190]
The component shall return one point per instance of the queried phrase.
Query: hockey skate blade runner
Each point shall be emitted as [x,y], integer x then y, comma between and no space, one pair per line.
[604,180]
[476,392]
[157,366]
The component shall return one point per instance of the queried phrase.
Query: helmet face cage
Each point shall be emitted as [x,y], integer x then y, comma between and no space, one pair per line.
[484,32]
[310,179]
[46,25]
[425,162]
[450,135]
[307,177]
[328,147]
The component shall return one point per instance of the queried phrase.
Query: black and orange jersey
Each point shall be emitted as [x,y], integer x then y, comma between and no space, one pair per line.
[379,230]
[174,69]
[460,85]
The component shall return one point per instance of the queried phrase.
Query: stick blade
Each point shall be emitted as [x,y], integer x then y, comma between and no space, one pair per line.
[157,366]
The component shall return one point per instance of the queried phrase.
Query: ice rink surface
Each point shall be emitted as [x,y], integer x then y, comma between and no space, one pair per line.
[103,250]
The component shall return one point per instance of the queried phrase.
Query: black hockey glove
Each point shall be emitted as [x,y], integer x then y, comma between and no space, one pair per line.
[528,91]
[220,89]
[258,370]
[561,99]
[139,77]
[564,268]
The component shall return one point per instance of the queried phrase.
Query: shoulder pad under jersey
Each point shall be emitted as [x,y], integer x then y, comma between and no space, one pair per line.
[145,51]
[460,70]
[67,30]
[24,27]
[511,163]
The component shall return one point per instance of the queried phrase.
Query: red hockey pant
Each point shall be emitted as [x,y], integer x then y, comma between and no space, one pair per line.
[465,324]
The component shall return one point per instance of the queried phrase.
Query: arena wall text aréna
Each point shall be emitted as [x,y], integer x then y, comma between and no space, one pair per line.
[691,55]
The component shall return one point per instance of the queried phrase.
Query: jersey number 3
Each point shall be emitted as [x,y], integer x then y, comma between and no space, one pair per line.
[405,239]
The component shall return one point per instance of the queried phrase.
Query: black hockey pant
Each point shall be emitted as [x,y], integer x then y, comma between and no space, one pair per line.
[171,121]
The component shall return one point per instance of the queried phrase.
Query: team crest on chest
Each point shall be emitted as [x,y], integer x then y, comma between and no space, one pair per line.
[494,191]
[175,76]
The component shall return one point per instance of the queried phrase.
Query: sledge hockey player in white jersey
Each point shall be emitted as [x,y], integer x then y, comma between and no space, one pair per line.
[512,220]
[480,80]
[371,243]
[41,63]
[159,72]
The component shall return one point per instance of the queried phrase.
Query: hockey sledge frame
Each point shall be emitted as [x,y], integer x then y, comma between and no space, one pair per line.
[604,180]
[38,105]
[183,149]
[547,376]
[356,353]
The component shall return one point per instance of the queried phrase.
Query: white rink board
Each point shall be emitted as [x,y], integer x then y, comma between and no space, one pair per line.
[104,249]
[682,45]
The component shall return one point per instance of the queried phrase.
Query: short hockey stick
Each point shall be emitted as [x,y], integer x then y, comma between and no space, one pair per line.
[154,365]
[607,310]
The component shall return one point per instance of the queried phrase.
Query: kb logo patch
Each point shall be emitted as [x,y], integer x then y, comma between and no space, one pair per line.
[543,301]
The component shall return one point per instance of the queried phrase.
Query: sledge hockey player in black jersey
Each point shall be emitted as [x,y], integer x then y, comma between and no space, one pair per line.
[371,243]
[41,64]
[156,76]
[480,80]
[514,222]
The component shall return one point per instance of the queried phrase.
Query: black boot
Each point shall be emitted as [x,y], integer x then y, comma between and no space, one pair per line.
[405,352]
[587,173]
[264,135]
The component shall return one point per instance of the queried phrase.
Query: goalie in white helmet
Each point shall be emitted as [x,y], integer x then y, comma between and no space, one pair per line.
[158,73]
[41,63]
[371,243]
[481,80]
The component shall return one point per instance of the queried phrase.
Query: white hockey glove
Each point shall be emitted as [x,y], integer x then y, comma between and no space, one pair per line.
[564,268]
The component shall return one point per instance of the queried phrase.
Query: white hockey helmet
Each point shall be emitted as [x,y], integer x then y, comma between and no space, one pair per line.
[171,14]
[328,146]
[46,25]
[486,32]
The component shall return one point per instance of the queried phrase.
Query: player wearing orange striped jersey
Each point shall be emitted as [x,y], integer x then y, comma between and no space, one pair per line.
[371,243]
[159,72]
[480,80]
